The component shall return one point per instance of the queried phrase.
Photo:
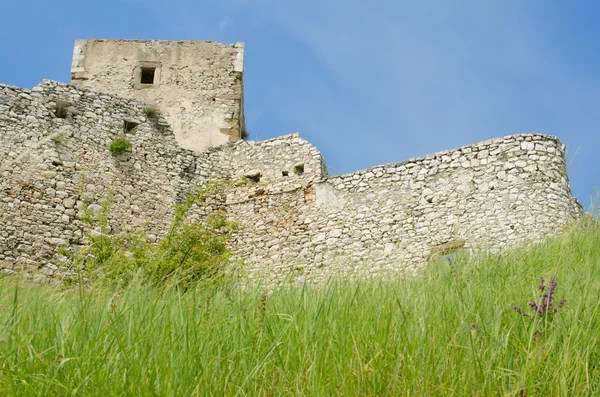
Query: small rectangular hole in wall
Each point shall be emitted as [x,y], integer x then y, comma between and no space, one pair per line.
[299,169]
[129,126]
[285,173]
[147,76]
[253,176]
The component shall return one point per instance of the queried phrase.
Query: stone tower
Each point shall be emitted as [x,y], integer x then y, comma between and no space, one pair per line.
[196,85]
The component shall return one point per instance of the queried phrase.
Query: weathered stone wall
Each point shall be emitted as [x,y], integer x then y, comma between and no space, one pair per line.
[395,217]
[296,222]
[197,85]
[53,168]
[278,162]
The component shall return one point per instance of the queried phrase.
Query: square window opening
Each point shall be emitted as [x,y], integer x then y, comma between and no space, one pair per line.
[299,169]
[147,76]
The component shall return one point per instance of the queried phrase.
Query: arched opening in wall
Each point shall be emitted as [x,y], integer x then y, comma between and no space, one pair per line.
[299,169]
[448,253]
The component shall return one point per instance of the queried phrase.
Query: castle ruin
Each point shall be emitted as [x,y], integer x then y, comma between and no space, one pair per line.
[295,221]
[197,85]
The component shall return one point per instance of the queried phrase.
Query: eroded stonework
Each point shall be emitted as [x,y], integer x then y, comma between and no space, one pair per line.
[396,217]
[197,85]
[296,222]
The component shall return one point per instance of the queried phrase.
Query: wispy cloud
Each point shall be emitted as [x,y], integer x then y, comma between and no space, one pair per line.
[223,24]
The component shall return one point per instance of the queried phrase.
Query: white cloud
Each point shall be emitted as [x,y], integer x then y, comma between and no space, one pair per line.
[223,24]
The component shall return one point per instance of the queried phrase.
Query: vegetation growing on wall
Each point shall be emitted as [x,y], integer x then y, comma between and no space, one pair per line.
[190,251]
[150,112]
[61,109]
[119,146]
[59,138]
[244,133]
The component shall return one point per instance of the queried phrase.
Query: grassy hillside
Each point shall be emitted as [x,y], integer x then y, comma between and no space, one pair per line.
[453,330]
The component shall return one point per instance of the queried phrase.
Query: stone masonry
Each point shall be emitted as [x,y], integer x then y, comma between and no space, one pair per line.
[296,222]
[197,85]
[52,167]
[394,217]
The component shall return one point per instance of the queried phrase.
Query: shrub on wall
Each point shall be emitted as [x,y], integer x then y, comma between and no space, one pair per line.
[189,253]
[61,109]
[150,112]
[119,146]
[244,134]
[59,138]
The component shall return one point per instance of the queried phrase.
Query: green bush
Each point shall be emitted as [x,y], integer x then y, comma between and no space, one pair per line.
[189,253]
[119,146]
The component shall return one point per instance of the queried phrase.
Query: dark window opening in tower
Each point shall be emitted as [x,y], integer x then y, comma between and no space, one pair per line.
[147,76]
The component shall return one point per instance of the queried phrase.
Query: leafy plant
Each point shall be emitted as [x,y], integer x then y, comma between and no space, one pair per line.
[119,146]
[193,252]
[190,252]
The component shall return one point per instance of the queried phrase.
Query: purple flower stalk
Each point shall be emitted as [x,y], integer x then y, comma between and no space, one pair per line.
[545,306]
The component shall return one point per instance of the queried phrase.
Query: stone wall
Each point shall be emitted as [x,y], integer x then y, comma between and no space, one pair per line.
[197,85]
[296,222]
[396,217]
[55,163]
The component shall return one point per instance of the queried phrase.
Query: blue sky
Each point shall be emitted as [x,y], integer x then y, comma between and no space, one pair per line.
[367,82]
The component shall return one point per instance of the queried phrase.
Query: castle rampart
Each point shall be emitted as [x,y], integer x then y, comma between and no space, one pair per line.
[396,217]
[296,222]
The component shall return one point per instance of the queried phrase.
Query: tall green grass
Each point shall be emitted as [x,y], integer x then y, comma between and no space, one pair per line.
[451,331]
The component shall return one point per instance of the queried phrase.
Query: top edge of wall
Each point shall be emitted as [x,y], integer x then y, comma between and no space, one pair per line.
[239,44]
